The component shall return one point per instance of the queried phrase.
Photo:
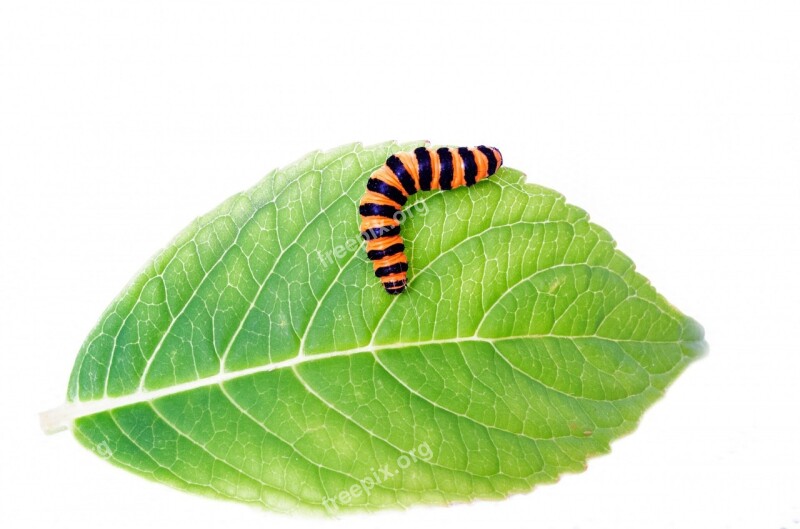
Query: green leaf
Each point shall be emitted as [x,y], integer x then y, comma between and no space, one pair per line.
[258,359]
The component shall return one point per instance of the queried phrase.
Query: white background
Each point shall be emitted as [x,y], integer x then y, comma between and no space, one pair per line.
[675,124]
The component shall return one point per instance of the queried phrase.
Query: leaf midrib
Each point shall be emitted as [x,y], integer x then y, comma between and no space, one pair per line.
[71,411]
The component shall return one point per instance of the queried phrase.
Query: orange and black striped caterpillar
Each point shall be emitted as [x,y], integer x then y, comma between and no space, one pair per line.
[402,175]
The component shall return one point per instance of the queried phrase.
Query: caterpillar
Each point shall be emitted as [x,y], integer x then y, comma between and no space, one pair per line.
[403,174]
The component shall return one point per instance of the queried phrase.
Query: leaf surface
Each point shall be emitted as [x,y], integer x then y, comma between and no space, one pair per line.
[257,358]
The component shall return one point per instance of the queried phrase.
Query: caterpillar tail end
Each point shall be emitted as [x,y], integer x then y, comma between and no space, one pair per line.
[395,287]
